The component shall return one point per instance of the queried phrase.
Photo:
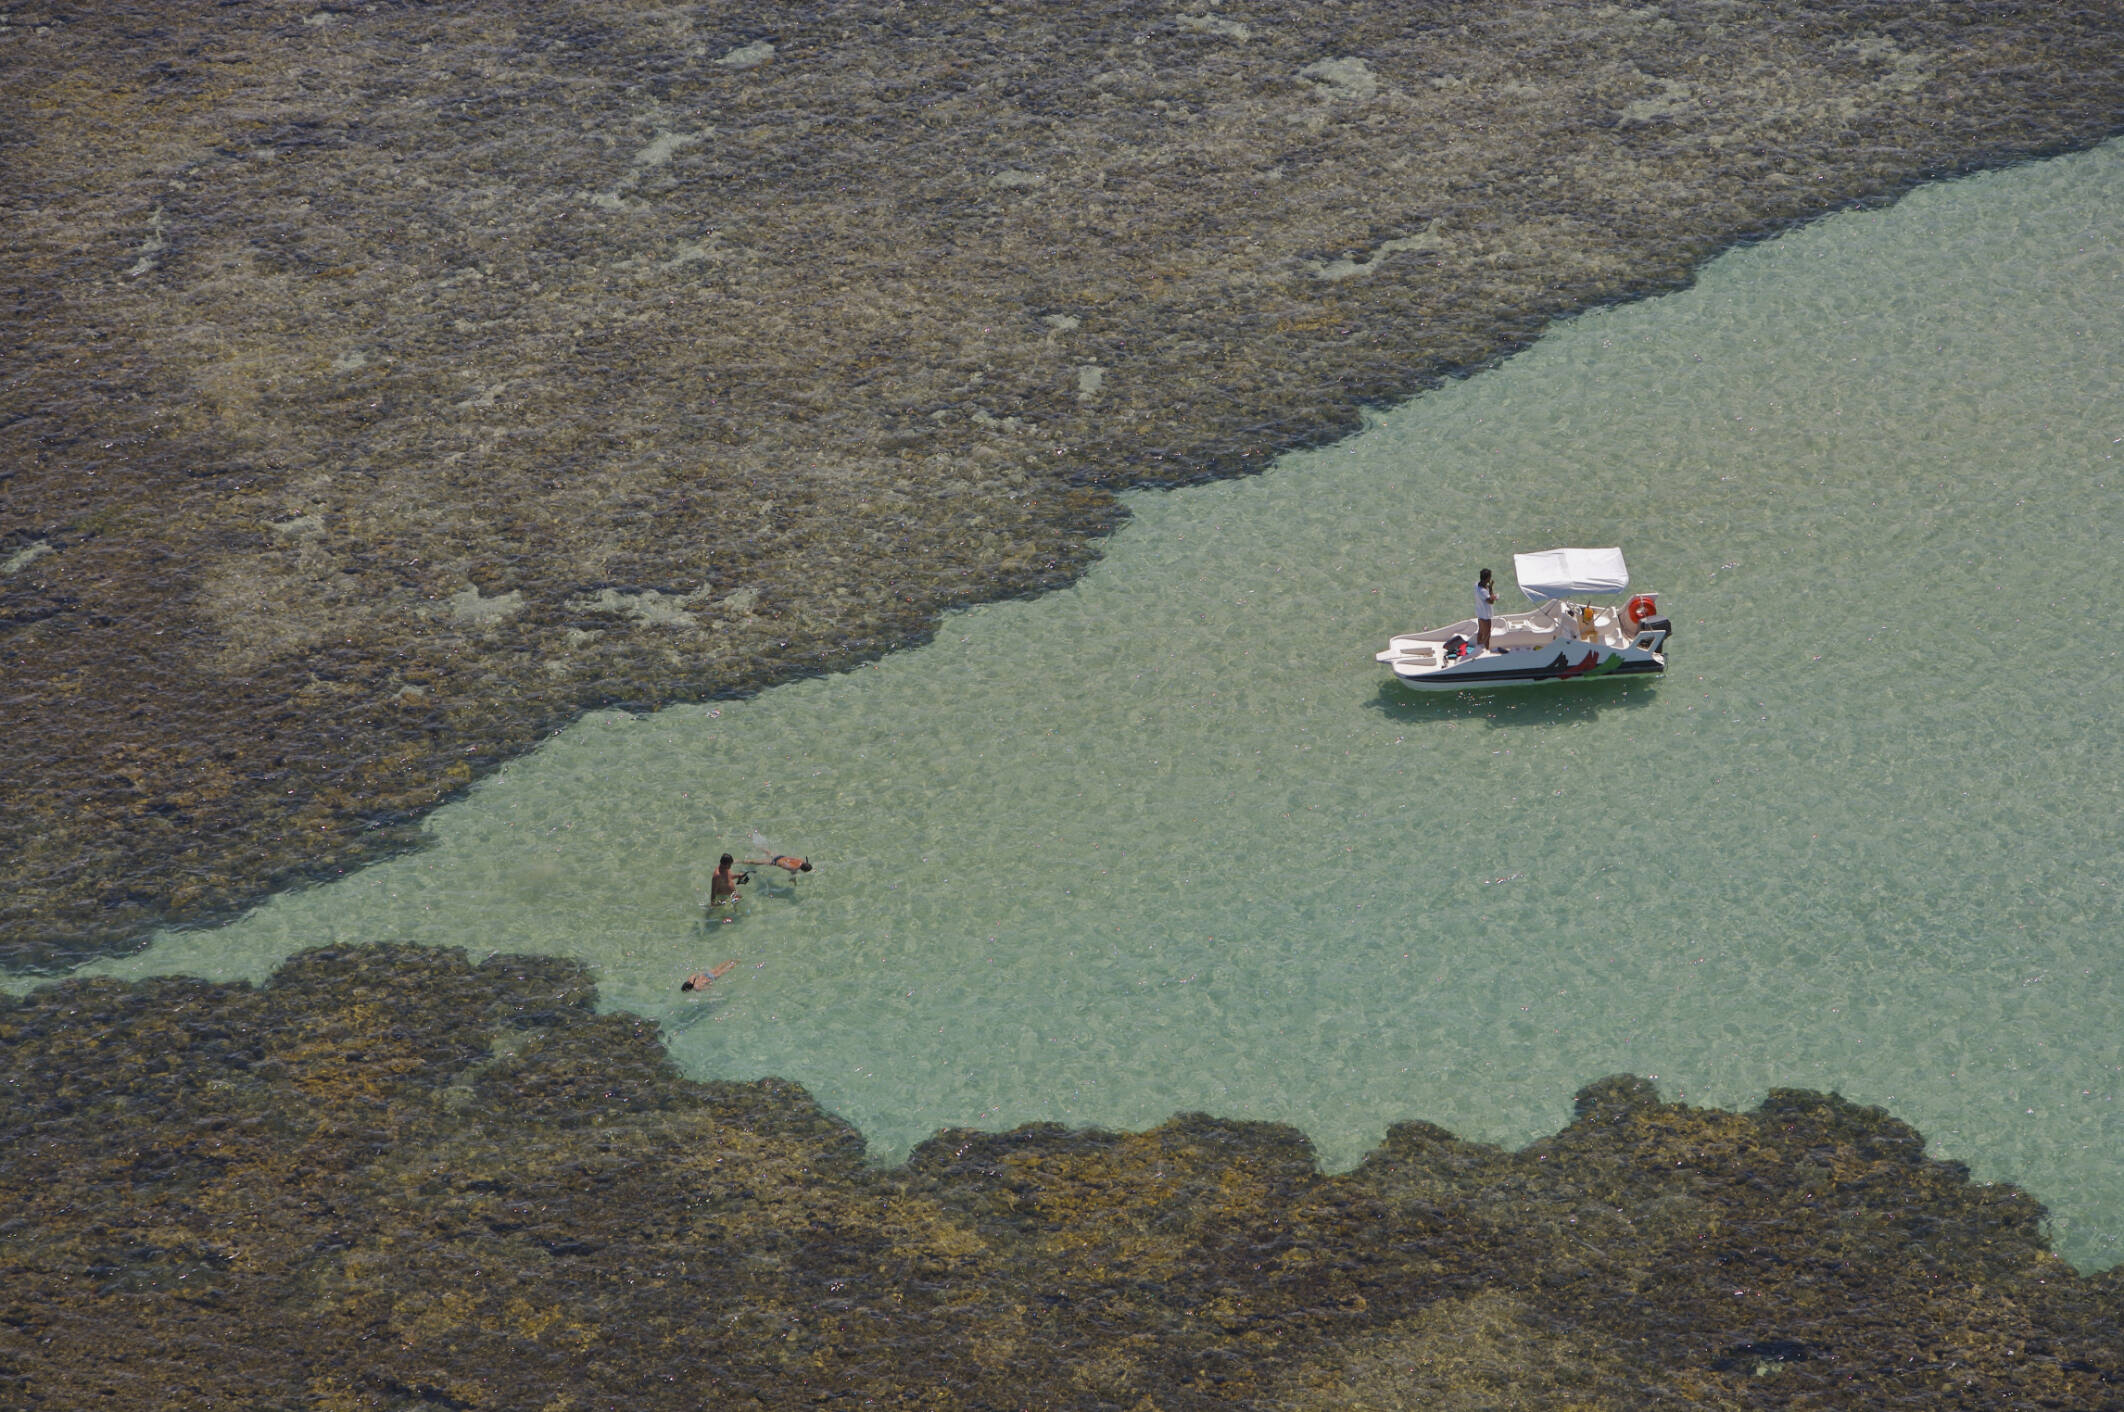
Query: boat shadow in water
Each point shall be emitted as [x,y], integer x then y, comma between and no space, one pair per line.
[1557,703]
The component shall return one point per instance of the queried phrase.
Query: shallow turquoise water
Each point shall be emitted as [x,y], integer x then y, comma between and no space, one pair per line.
[1167,840]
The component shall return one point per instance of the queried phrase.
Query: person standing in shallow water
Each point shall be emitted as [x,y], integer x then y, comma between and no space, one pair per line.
[1485,605]
[724,885]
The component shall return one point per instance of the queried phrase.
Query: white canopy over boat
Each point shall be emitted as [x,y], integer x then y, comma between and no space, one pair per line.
[1560,573]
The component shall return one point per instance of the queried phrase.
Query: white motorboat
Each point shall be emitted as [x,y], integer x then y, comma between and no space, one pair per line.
[1562,638]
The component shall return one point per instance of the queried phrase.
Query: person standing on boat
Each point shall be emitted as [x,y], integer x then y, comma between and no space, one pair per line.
[1485,605]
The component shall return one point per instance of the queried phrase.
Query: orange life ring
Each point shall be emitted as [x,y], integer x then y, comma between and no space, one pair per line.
[1640,608]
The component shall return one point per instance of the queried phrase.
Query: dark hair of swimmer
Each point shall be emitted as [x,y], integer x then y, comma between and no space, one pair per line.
[686,985]
[728,860]
[804,867]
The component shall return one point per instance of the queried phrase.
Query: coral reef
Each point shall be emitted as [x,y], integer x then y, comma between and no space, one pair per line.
[391,1178]
[386,384]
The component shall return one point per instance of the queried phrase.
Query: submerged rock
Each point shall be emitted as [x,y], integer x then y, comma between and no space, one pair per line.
[391,1177]
[388,385]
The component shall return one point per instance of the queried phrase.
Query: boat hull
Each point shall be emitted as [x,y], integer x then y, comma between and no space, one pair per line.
[1574,662]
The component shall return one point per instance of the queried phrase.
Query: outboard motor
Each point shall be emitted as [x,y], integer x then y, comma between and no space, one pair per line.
[1652,634]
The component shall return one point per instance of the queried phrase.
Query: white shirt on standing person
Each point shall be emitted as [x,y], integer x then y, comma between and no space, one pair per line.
[1485,601]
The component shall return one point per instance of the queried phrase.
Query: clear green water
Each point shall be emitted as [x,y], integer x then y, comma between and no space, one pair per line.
[1167,840]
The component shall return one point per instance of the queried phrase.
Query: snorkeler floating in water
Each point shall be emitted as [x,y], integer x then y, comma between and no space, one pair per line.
[701,980]
[783,861]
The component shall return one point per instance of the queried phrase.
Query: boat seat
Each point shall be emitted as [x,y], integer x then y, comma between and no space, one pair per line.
[1521,637]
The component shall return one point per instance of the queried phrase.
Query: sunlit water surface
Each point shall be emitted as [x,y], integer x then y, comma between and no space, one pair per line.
[1167,841]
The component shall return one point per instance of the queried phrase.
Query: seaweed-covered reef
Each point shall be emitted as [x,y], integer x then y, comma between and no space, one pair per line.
[392,1178]
[385,384]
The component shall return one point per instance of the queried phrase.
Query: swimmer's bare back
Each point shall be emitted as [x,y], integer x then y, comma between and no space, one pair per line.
[701,980]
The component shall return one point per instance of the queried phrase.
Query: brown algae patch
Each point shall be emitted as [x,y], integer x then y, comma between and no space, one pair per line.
[411,1179]
[388,386]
